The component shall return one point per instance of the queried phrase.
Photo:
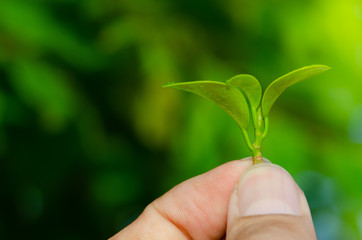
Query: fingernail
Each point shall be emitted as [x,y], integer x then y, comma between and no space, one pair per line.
[251,159]
[267,189]
[266,160]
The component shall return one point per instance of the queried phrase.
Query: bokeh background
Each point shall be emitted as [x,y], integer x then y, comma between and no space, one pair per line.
[88,137]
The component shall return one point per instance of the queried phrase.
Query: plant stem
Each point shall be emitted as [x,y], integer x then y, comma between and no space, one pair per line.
[257,158]
[258,137]
[259,124]
[266,127]
[247,139]
[254,114]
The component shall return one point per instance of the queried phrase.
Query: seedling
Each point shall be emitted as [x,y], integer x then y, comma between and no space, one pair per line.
[242,94]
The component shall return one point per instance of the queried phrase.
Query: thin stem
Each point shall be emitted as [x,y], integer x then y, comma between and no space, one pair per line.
[257,157]
[254,115]
[266,127]
[247,139]
[258,123]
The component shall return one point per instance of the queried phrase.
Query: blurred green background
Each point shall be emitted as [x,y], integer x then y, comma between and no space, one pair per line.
[88,137]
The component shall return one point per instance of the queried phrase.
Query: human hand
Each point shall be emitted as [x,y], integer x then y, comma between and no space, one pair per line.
[233,201]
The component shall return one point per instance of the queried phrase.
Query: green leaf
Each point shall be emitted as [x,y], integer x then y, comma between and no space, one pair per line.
[227,97]
[279,85]
[250,85]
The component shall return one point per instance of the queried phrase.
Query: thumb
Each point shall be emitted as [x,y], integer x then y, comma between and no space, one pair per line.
[268,204]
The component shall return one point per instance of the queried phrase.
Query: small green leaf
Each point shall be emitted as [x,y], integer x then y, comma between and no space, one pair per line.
[227,97]
[279,85]
[250,85]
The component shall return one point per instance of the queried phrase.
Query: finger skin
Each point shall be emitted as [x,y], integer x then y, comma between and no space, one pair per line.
[194,209]
[197,209]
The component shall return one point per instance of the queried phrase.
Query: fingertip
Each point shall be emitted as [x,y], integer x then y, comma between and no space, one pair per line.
[266,191]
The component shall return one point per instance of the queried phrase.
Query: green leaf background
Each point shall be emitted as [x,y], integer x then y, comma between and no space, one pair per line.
[88,137]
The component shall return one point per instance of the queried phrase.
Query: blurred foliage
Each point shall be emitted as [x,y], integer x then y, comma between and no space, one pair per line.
[88,137]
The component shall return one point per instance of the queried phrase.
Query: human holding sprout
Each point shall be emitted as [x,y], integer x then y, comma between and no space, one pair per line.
[246,199]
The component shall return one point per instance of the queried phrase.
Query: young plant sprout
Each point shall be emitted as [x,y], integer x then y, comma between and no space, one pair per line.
[242,93]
